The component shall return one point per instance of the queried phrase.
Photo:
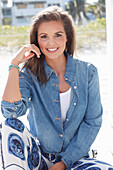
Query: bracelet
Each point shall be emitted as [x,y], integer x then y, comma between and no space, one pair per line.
[13,67]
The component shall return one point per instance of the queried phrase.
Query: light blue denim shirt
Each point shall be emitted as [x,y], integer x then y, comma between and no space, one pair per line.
[71,140]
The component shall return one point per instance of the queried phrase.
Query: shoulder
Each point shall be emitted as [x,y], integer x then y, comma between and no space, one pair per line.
[85,68]
[83,64]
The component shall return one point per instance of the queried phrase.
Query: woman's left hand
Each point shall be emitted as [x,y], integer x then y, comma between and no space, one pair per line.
[58,166]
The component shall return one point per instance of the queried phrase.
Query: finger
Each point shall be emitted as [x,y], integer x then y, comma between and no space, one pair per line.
[36,49]
[27,53]
[33,48]
[29,56]
[38,56]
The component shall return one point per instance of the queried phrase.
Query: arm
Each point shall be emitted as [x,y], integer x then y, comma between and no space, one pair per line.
[12,91]
[89,127]
[12,95]
[58,166]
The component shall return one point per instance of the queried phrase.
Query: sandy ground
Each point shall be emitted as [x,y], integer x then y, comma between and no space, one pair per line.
[98,56]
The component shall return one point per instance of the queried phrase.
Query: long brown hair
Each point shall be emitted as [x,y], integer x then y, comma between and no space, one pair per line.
[53,13]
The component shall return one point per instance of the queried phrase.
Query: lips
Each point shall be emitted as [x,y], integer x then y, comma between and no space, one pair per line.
[52,49]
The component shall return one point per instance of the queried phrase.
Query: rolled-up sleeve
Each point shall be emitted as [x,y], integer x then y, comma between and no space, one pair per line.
[19,108]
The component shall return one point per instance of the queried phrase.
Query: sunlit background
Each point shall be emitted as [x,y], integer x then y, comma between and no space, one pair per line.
[93,45]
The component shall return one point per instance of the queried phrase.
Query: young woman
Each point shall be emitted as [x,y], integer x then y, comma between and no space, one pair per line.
[63,98]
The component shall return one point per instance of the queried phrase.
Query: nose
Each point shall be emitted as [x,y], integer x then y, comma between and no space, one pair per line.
[51,40]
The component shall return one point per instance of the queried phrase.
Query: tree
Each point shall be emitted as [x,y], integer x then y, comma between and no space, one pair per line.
[75,8]
[97,9]
[102,1]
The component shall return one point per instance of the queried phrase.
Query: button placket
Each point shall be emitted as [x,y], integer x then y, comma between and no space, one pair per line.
[56,100]
[73,104]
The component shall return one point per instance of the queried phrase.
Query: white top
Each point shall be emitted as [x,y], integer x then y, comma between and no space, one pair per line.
[65,102]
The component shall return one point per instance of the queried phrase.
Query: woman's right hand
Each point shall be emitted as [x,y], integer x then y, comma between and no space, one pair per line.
[23,56]
[12,92]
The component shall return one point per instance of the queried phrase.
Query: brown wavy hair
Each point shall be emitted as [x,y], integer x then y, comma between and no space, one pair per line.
[53,13]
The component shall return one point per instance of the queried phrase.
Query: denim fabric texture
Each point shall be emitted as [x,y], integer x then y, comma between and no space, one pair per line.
[71,140]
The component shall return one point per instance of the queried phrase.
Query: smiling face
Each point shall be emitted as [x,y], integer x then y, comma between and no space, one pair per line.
[52,39]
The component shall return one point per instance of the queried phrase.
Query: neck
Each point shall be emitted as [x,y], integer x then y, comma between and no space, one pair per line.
[58,65]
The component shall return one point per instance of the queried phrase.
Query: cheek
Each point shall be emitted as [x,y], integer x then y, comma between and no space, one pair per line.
[41,44]
[62,41]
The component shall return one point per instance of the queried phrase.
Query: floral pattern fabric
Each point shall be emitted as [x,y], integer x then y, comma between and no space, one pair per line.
[19,150]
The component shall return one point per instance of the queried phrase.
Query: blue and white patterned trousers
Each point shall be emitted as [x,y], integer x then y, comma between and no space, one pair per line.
[19,150]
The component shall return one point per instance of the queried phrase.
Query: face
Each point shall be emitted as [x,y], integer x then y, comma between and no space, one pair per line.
[52,39]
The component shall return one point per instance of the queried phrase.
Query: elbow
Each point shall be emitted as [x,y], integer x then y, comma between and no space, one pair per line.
[13,110]
[11,100]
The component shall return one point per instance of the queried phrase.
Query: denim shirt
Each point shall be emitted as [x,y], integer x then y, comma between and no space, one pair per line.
[71,140]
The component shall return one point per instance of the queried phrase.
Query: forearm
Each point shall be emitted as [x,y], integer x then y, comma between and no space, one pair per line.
[12,91]
[58,166]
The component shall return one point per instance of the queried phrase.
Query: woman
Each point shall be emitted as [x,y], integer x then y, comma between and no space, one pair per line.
[62,95]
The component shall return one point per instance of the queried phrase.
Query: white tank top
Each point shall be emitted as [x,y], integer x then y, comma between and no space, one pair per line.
[65,103]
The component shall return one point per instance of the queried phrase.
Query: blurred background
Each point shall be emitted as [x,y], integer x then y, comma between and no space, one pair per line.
[94,36]
[15,17]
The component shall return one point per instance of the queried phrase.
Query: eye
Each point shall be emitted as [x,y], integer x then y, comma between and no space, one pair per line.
[43,36]
[58,35]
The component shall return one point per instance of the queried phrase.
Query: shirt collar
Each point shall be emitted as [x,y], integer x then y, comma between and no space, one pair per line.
[69,73]
[70,69]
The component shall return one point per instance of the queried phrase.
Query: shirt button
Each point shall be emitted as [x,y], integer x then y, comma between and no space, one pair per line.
[56,100]
[54,84]
[75,104]
[57,118]
[21,77]
[75,87]
[60,135]
[15,108]
[14,116]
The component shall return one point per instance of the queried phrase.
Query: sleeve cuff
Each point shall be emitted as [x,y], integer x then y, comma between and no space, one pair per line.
[9,109]
[67,159]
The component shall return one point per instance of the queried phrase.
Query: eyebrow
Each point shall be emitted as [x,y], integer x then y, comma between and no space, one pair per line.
[55,32]
[59,32]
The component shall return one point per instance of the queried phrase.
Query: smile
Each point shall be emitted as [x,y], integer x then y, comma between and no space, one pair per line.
[52,49]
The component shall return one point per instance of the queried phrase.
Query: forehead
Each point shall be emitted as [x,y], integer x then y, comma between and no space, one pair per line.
[51,26]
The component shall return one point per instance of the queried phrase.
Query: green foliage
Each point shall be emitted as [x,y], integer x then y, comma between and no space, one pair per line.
[92,33]
[7,21]
[102,1]
[11,36]
[98,9]
[99,24]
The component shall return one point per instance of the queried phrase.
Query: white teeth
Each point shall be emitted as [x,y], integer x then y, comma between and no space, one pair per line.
[52,49]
